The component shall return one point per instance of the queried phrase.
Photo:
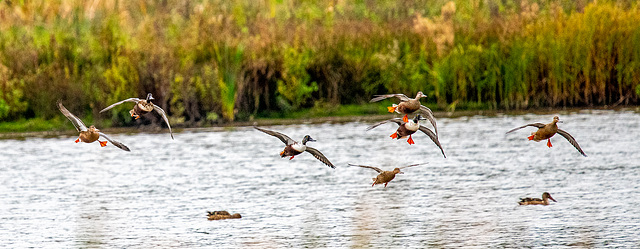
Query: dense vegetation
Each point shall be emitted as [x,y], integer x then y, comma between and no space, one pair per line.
[216,60]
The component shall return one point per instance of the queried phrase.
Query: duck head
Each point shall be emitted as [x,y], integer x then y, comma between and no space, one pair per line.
[556,119]
[418,118]
[546,195]
[149,97]
[93,129]
[397,171]
[420,95]
[306,139]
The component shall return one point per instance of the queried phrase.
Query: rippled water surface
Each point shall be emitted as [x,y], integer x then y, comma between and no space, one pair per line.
[55,193]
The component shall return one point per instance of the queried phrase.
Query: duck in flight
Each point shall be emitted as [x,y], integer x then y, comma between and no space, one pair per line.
[91,134]
[385,176]
[546,131]
[294,148]
[143,106]
[537,201]
[406,129]
[407,106]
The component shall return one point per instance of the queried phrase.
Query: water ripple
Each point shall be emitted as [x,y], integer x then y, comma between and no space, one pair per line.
[55,193]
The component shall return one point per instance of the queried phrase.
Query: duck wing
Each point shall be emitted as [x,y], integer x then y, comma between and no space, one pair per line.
[395,120]
[400,96]
[80,126]
[369,167]
[284,138]
[417,164]
[164,116]
[318,155]
[114,142]
[571,140]
[430,117]
[528,199]
[135,100]
[433,137]
[537,125]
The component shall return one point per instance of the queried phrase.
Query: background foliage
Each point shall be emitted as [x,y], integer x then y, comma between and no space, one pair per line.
[214,60]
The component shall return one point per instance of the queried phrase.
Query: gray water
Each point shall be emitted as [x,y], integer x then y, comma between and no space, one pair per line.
[55,193]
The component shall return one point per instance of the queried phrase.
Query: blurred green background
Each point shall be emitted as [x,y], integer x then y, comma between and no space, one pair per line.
[209,62]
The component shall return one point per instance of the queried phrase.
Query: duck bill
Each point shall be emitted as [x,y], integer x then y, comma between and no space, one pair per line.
[551,198]
[401,172]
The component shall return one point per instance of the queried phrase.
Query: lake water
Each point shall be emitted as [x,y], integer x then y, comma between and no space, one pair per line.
[55,193]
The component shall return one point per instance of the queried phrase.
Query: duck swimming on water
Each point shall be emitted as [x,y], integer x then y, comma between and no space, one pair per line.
[222,215]
[536,201]
[294,148]
[546,131]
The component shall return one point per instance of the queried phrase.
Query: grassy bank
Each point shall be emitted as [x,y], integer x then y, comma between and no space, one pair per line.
[210,62]
[60,123]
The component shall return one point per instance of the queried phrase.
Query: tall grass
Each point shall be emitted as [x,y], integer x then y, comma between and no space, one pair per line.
[215,60]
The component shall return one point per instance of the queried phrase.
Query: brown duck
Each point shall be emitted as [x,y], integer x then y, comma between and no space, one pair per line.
[91,134]
[385,176]
[222,215]
[294,148]
[536,201]
[408,106]
[546,131]
[406,129]
[143,106]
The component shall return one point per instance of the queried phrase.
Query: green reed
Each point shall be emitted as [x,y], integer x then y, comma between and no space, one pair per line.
[214,61]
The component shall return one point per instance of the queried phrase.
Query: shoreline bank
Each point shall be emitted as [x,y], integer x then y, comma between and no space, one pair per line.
[312,120]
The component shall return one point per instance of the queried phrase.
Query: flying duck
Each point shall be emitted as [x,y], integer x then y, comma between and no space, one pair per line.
[91,134]
[406,129]
[546,131]
[294,148]
[385,176]
[143,106]
[408,106]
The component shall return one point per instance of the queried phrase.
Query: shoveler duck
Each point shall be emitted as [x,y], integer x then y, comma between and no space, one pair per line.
[143,106]
[385,176]
[536,201]
[408,106]
[546,131]
[91,134]
[294,148]
[222,215]
[406,129]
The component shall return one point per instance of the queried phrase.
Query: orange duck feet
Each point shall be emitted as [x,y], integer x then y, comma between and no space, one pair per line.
[410,140]
[78,140]
[530,137]
[394,135]
[385,185]
[103,143]
[405,118]
[549,143]
[291,157]
[391,109]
